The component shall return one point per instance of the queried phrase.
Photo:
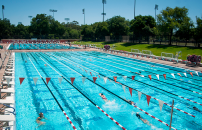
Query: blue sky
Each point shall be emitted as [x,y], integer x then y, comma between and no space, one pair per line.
[19,10]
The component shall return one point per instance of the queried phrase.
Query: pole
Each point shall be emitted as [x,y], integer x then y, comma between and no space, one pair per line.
[134,8]
[84,16]
[103,11]
[171,115]
[155,13]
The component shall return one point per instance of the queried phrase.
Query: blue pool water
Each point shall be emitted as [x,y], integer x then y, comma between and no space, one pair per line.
[36,46]
[32,99]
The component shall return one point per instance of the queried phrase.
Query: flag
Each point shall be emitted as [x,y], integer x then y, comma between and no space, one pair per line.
[133,77]
[124,88]
[149,76]
[130,89]
[157,76]
[173,75]
[35,80]
[105,79]
[60,79]
[21,80]
[191,74]
[47,80]
[83,79]
[148,99]
[94,79]
[139,95]
[164,75]
[72,79]
[115,77]
[161,104]
[124,77]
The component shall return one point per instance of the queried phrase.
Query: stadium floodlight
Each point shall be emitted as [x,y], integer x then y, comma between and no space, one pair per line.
[104,2]
[156,8]
[52,10]
[3,11]
[83,10]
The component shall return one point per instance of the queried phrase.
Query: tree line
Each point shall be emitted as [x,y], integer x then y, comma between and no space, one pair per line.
[170,22]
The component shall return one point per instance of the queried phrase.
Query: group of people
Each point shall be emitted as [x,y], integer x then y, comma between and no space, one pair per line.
[41,116]
[137,114]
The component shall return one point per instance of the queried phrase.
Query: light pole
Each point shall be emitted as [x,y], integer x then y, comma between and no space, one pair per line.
[156,8]
[104,2]
[52,10]
[3,11]
[84,15]
[67,19]
[134,8]
[30,19]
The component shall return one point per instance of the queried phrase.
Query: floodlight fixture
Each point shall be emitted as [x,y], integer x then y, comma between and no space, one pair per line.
[3,7]
[83,10]
[104,2]
[52,10]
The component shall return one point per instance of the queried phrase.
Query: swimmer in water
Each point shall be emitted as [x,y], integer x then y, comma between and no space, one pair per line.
[196,109]
[131,102]
[38,120]
[103,97]
[144,120]
[152,65]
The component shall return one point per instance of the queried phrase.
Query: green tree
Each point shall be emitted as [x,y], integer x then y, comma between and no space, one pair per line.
[40,25]
[118,26]
[197,33]
[185,29]
[170,20]
[6,29]
[101,30]
[74,34]
[143,26]
[87,32]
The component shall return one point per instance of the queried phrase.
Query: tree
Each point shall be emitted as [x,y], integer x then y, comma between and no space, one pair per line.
[198,31]
[40,25]
[118,26]
[6,29]
[185,29]
[87,32]
[170,19]
[143,26]
[21,31]
[100,30]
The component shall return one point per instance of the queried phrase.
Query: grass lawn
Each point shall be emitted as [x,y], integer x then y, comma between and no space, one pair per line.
[156,49]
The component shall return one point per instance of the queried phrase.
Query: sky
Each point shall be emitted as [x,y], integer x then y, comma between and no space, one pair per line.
[19,10]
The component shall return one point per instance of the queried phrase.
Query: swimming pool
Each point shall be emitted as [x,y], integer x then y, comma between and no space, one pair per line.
[37,46]
[78,99]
